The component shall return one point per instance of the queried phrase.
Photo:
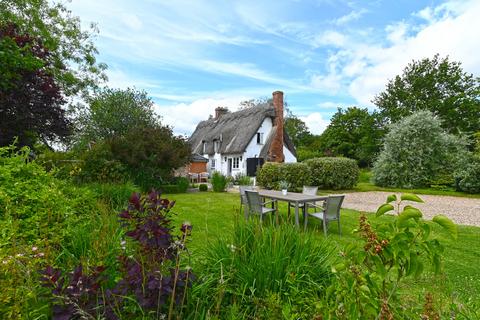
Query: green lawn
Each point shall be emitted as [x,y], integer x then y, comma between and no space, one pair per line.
[212,214]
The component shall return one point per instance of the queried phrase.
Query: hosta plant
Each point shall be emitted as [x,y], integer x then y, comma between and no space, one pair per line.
[392,250]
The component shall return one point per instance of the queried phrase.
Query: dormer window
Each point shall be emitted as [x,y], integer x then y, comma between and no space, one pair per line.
[259,137]
[204,147]
[216,146]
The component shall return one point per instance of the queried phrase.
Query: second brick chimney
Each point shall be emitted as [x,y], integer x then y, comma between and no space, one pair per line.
[276,148]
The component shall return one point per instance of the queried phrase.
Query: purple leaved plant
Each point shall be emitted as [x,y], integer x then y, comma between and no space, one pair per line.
[152,276]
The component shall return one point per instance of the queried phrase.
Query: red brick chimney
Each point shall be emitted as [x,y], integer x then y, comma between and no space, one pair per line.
[276,148]
[220,111]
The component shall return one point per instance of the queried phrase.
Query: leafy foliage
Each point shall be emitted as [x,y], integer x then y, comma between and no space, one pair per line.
[417,151]
[203,187]
[219,182]
[263,273]
[297,130]
[153,281]
[438,85]
[114,112]
[353,133]
[30,98]
[269,175]
[333,173]
[296,175]
[71,52]
[467,174]
[368,278]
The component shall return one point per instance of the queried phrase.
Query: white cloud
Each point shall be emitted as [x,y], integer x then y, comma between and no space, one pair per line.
[315,122]
[329,38]
[184,117]
[452,33]
[329,84]
[352,16]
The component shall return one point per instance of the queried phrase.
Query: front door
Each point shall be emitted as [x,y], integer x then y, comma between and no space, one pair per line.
[229,167]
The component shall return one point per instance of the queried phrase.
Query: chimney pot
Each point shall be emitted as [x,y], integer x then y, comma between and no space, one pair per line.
[220,111]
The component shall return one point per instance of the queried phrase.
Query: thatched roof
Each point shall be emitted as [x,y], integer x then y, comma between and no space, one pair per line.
[234,131]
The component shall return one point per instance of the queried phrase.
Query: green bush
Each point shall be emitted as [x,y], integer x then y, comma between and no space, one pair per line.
[333,173]
[183,184]
[263,272]
[269,175]
[63,165]
[169,188]
[467,175]
[219,182]
[243,180]
[296,175]
[203,187]
[416,152]
[99,165]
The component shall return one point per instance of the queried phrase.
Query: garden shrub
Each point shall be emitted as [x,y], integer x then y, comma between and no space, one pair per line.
[99,165]
[416,152]
[219,182]
[242,180]
[182,183]
[63,165]
[333,172]
[296,175]
[391,251]
[37,212]
[262,272]
[203,187]
[269,175]
[467,175]
[152,281]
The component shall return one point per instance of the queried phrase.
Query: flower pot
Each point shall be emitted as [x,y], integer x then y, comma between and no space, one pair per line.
[284,192]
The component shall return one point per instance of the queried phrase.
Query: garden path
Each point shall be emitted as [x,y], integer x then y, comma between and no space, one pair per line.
[460,210]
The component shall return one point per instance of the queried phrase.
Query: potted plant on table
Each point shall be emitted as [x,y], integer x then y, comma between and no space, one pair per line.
[284,187]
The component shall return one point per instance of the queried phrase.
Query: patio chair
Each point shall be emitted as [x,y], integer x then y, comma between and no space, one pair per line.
[257,206]
[203,177]
[243,198]
[329,212]
[306,190]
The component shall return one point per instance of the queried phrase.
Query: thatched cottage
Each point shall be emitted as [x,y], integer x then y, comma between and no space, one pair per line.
[237,142]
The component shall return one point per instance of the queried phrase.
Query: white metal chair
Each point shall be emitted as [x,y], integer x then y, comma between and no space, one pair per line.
[257,206]
[243,198]
[306,190]
[329,212]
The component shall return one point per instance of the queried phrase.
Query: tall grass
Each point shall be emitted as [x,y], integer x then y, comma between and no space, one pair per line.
[262,272]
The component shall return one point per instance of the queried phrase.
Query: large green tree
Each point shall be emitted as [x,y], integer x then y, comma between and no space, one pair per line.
[354,133]
[115,112]
[438,85]
[71,58]
[297,130]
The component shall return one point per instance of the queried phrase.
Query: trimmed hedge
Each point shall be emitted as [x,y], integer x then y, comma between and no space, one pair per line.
[296,174]
[203,187]
[334,172]
[326,173]
[269,175]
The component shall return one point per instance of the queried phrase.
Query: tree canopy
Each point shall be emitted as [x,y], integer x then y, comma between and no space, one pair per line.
[115,112]
[438,85]
[354,133]
[71,58]
[297,130]
[30,98]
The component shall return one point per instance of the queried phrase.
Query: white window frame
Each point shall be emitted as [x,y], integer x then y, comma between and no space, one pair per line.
[236,163]
[212,163]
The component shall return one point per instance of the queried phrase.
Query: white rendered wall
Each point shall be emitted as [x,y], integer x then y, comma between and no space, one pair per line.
[289,157]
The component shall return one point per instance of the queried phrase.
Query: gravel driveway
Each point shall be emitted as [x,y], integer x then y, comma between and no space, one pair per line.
[460,210]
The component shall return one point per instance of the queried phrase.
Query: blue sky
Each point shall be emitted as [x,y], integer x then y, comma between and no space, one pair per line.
[192,56]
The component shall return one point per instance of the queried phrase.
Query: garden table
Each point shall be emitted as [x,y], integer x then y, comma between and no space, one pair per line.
[292,197]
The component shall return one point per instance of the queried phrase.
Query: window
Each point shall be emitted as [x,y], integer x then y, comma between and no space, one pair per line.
[212,163]
[204,147]
[259,137]
[236,163]
[216,146]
